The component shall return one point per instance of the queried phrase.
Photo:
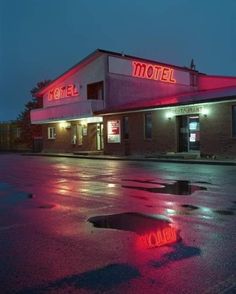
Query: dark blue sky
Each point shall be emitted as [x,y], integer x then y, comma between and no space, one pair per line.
[40,39]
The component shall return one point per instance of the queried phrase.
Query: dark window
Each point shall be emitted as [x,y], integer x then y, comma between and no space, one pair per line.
[125,127]
[95,91]
[18,132]
[148,125]
[234,120]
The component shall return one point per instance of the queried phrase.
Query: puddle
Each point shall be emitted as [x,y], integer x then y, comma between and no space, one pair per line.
[153,230]
[130,221]
[189,206]
[203,182]
[176,188]
[224,212]
[185,209]
[47,206]
[188,209]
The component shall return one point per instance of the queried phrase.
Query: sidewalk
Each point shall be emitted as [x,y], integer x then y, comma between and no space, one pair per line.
[159,158]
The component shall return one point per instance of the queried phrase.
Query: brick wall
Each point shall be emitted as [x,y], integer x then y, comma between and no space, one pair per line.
[63,141]
[163,135]
[215,133]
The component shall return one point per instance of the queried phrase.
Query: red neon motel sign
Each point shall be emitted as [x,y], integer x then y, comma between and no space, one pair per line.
[63,92]
[153,72]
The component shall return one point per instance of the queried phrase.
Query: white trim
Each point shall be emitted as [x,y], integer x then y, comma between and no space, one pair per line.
[51,133]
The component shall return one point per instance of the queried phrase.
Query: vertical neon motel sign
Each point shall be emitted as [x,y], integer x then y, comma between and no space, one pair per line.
[153,72]
[63,92]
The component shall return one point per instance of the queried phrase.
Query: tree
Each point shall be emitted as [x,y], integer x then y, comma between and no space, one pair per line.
[29,131]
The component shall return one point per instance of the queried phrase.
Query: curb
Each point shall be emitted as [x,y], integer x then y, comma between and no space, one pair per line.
[168,160]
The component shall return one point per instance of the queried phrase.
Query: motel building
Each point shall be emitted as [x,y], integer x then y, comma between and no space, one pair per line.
[118,104]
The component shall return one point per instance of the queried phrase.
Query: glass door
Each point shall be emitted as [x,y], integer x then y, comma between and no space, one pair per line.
[99,139]
[194,133]
[183,133]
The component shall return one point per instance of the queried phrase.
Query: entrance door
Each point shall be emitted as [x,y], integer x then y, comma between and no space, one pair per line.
[189,133]
[194,133]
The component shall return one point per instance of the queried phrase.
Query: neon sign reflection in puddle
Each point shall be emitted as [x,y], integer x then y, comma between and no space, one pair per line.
[158,238]
[152,230]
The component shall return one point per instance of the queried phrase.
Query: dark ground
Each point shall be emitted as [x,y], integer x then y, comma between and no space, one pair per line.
[47,244]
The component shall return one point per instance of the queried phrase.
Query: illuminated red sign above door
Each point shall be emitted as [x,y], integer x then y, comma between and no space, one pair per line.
[153,72]
[63,92]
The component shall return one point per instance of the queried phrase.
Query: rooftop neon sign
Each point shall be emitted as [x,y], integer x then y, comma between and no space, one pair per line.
[63,92]
[153,72]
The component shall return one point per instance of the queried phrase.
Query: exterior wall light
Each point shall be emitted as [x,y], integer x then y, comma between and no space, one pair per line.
[205,112]
[62,124]
[84,123]
[65,125]
[169,115]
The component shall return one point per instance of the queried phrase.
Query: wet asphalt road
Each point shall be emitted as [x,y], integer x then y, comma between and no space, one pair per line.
[47,244]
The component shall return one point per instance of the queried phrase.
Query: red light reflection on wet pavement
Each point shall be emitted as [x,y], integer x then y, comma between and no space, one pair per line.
[157,238]
[47,244]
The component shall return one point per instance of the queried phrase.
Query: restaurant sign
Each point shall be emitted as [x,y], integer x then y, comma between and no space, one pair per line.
[188,110]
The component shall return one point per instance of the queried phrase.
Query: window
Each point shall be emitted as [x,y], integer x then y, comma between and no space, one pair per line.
[234,120]
[51,133]
[95,91]
[18,132]
[125,127]
[148,126]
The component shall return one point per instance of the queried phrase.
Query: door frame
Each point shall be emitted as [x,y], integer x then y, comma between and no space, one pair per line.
[183,133]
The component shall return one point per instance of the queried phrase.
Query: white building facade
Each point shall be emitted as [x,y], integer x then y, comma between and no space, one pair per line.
[122,104]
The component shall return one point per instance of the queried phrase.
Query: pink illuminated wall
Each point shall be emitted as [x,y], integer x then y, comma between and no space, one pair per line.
[126,81]
[67,111]
[215,82]
[132,81]
[146,70]
[124,90]
[73,88]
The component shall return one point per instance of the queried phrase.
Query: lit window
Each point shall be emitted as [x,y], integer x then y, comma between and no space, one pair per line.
[80,135]
[125,127]
[234,120]
[51,133]
[74,134]
[148,126]
[95,91]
